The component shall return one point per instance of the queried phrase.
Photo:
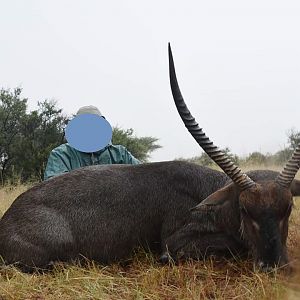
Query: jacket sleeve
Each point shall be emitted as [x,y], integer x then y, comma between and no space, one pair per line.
[57,164]
[129,158]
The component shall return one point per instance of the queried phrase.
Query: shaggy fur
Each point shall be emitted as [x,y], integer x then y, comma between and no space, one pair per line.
[104,212]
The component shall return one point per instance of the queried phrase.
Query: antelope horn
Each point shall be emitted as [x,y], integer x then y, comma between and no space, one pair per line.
[288,173]
[220,158]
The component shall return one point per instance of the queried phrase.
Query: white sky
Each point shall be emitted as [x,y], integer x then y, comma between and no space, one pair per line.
[238,65]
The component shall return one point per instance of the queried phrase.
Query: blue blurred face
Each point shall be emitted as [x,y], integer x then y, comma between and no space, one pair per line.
[88,133]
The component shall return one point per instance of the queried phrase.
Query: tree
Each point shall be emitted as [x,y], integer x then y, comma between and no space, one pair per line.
[284,155]
[12,111]
[293,138]
[256,158]
[205,160]
[42,130]
[140,147]
[27,138]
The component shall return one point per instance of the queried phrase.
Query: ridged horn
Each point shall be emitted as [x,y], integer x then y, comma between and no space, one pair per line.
[290,170]
[220,158]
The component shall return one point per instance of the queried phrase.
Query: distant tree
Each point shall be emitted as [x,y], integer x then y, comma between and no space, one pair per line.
[204,160]
[256,158]
[42,130]
[293,138]
[12,112]
[231,155]
[140,147]
[26,139]
[282,156]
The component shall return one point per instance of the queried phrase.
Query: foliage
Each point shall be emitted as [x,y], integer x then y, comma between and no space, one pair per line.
[26,138]
[258,159]
[205,160]
[12,112]
[255,158]
[42,130]
[282,156]
[140,147]
[293,138]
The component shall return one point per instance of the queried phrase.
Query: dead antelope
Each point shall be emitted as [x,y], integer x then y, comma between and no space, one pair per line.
[254,212]
[104,212]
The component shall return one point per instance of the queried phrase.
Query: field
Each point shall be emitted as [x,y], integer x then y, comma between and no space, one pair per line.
[144,278]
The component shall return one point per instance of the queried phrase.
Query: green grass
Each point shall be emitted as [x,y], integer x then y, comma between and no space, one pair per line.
[144,278]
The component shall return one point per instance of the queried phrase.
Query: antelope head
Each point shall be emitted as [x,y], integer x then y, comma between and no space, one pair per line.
[261,209]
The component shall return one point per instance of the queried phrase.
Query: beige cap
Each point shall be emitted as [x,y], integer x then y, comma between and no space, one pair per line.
[89,110]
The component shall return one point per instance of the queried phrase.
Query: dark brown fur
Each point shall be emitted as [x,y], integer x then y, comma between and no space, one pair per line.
[257,218]
[104,212]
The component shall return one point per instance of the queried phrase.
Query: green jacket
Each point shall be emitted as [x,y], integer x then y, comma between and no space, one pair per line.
[65,158]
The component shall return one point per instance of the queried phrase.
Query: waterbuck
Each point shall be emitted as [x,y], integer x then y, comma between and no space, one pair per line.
[178,209]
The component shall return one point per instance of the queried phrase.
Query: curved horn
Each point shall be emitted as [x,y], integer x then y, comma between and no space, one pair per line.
[220,158]
[288,173]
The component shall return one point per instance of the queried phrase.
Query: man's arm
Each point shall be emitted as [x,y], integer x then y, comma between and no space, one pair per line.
[57,164]
[129,158]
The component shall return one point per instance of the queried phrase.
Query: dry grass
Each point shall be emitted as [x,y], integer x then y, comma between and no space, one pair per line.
[144,278]
[8,195]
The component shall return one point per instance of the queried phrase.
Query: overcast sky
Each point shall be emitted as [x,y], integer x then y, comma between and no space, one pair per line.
[238,66]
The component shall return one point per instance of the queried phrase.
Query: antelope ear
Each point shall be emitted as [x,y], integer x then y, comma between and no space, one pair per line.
[220,197]
[295,188]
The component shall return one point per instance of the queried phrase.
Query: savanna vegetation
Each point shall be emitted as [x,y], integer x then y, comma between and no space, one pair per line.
[256,158]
